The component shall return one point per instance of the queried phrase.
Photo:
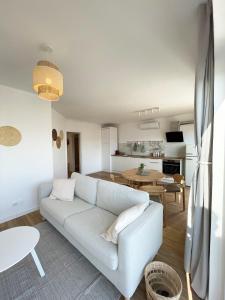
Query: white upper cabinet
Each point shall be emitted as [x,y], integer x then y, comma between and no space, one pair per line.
[109,146]
[188,133]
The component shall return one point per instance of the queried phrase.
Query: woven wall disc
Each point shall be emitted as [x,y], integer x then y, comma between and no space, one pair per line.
[61,134]
[58,142]
[54,134]
[9,136]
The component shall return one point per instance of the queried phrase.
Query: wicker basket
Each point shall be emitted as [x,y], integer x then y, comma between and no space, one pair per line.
[162,282]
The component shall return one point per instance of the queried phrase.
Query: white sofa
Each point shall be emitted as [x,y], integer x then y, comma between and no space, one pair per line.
[97,203]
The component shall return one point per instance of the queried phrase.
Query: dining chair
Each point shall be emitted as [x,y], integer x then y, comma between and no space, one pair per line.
[177,187]
[119,179]
[159,191]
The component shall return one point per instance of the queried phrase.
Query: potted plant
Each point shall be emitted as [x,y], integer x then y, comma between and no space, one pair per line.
[141,169]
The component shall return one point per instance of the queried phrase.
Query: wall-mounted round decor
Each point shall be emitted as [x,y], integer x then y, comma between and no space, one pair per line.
[61,134]
[9,136]
[54,134]
[58,142]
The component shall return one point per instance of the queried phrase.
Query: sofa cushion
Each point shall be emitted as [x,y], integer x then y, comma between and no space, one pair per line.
[116,197]
[86,228]
[124,219]
[85,187]
[63,189]
[60,210]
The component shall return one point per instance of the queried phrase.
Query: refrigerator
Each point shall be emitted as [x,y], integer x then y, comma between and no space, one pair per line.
[191,161]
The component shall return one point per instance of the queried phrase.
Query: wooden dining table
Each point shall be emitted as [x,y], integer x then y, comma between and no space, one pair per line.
[150,176]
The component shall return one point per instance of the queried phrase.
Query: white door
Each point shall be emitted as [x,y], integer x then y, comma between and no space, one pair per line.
[190,166]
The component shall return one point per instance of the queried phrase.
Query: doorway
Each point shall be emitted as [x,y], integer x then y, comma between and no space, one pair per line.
[73,152]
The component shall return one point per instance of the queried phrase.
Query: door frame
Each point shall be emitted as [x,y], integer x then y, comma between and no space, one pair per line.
[80,154]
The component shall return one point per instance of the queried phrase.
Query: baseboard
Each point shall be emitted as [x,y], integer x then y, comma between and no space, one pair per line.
[18,215]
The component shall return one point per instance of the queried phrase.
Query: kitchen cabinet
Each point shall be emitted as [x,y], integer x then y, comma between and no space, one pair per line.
[188,133]
[122,163]
[109,146]
[155,164]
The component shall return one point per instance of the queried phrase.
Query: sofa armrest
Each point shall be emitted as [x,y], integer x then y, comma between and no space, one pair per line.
[140,241]
[44,190]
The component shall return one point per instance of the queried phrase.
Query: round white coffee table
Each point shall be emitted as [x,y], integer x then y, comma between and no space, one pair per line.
[15,244]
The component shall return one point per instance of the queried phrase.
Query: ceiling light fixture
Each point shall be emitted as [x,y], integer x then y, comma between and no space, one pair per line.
[47,79]
[146,112]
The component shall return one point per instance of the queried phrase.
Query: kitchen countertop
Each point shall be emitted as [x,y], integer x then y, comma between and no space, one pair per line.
[151,157]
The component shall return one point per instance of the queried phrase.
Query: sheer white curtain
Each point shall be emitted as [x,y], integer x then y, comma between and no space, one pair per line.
[217,246]
[197,247]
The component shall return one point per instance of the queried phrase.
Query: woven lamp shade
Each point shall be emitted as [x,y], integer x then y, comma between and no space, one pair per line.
[47,81]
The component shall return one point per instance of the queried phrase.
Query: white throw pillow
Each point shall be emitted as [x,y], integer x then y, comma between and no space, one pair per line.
[63,189]
[124,219]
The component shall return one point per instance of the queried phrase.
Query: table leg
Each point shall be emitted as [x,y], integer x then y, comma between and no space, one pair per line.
[37,262]
[183,198]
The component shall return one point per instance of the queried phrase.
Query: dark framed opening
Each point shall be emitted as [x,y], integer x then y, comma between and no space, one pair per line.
[73,152]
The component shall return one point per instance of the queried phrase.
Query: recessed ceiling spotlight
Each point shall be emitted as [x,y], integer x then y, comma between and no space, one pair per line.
[155,109]
[45,48]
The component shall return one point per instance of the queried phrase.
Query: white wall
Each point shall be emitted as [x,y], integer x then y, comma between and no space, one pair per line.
[24,166]
[182,117]
[131,132]
[217,250]
[90,145]
[59,155]
[217,246]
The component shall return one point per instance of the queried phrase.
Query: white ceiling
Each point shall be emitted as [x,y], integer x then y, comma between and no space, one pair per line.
[117,56]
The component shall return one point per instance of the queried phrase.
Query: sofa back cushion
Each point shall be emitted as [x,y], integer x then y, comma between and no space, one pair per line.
[85,187]
[116,197]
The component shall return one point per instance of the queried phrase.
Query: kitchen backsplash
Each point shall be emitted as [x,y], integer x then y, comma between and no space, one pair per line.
[141,148]
[149,147]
